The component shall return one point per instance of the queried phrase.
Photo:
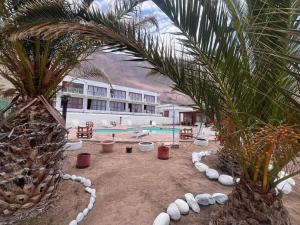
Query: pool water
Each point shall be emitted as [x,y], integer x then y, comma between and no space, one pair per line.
[152,130]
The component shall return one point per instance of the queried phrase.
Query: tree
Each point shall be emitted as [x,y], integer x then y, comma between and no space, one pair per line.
[32,137]
[241,61]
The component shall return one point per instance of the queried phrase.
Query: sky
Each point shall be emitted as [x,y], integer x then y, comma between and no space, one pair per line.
[148,9]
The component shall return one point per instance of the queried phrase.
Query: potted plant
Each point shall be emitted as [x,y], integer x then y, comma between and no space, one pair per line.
[83,160]
[107,146]
[163,152]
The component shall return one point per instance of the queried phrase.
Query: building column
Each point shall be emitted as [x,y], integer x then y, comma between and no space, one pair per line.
[107,106]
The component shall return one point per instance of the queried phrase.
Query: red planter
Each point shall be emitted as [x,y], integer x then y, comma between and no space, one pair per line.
[163,152]
[83,160]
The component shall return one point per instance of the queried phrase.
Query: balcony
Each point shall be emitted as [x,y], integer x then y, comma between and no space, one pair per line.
[98,94]
[73,90]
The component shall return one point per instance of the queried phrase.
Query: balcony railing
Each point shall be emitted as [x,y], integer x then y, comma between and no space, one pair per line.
[94,93]
[73,90]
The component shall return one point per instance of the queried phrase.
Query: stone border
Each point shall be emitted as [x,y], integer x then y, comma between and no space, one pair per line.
[285,186]
[72,146]
[182,207]
[87,184]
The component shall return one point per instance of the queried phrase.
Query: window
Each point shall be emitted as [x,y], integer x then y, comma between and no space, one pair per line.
[72,87]
[166,113]
[75,103]
[149,109]
[149,98]
[94,104]
[117,106]
[117,94]
[135,96]
[97,91]
[135,108]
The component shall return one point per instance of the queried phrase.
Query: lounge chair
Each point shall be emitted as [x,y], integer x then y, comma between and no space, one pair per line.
[139,132]
[106,124]
[201,137]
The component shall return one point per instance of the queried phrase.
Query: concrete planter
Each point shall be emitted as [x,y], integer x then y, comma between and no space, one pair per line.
[73,145]
[201,142]
[107,146]
[146,146]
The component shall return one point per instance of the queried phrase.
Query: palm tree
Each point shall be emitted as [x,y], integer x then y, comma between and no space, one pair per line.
[32,137]
[240,59]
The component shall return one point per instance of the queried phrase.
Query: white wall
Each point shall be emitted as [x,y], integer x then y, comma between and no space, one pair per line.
[75,119]
[177,109]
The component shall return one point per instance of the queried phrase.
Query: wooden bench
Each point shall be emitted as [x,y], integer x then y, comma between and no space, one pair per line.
[85,132]
[186,133]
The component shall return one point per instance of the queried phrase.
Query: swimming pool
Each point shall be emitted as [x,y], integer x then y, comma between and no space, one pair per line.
[152,130]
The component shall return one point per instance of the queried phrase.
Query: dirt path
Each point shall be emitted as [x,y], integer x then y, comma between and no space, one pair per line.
[132,189]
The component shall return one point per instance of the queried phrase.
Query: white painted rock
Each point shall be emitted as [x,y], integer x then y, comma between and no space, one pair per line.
[226,180]
[182,206]
[237,180]
[212,174]
[195,157]
[205,199]
[201,167]
[66,176]
[79,217]
[78,179]
[92,200]
[173,212]
[162,219]
[291,181]
[90,206]
[87,183]
[284,187]
[73,222]
[192,202]
[85,211]
[220,198]
[88,189]
[73,177]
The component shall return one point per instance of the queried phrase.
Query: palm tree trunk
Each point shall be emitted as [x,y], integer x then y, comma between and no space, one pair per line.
[249,207]
[31,155]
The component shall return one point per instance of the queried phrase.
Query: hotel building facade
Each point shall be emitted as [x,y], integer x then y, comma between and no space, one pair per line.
[93,101]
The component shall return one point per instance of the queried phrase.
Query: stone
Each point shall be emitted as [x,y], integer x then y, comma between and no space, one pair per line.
[226,180]
[220,198]
[162,219]
[73,222]
[73,177]
[78,179]
[92,200]
[195,157]
[90,206]
[79,217]
[212,174]
[182,206]
[192,202]
[201,167]
[87,183]
[173,212]
[88,189]
[291,181]
[85,211]
[205,199]
[284,187]
[237,180]
[66,176]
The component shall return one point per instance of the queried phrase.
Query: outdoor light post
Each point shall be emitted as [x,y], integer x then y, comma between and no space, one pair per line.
[64,103]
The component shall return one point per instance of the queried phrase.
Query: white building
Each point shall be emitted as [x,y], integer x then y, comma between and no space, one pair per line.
[97,101]
[169,110]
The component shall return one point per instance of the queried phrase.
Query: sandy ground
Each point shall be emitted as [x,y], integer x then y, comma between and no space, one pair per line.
[132,189]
